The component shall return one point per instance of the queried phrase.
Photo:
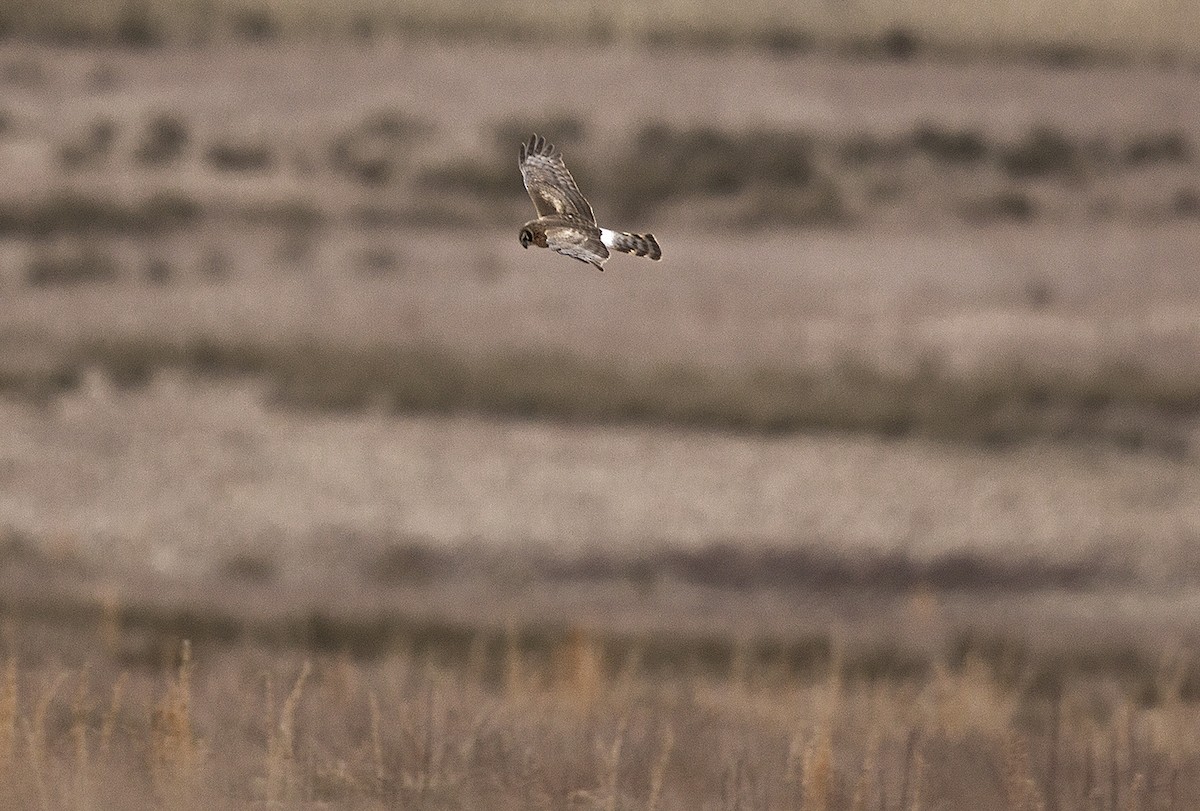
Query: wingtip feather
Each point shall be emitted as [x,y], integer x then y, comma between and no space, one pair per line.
[537,145]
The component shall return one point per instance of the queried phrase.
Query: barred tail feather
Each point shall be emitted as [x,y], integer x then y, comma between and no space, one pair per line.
[636,244]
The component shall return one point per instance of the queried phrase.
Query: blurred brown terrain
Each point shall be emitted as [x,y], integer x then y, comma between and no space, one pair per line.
[880,491]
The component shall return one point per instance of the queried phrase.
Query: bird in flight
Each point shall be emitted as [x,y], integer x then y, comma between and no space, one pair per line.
[565,222]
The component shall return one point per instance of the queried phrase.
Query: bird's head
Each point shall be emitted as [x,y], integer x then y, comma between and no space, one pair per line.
[526,237]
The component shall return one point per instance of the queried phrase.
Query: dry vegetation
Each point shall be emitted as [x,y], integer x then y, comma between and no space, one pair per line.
[235,521]
[1119,404]
[1058,32]
[233,727]
[373,172]
[160,200]
[449,525]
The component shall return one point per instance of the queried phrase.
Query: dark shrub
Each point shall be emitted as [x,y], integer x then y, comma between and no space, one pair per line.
[900,43]
[136,27]
[1186,203]
[250,568]
[865,148]
[789,41]
[254,25]
[1167,147]
[163,141]
[240,156]
[90,147]
[948,145]
[1010,204]
[377,149]
[84,266]
[74,213]
[158,271]
[668,163]
[409,562]
[1041,153]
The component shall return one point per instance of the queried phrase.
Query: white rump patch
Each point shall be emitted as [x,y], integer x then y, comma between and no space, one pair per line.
[608,237]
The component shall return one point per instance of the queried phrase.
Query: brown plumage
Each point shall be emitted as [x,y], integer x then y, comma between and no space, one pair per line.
[565,221]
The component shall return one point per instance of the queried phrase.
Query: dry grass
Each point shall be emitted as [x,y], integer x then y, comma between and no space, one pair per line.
[1008,403]
[1060,32]
[208,730]
[446,611]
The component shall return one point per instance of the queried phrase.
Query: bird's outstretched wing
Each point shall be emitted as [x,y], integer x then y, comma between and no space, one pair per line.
[578,243]
[549,184]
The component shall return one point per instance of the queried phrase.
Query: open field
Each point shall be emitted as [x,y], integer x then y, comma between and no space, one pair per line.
[241,729]
[171,499]
[879,492]
[1056,33]
[407,134]
[988,253]
[910,336]
[519,614]
[512,614]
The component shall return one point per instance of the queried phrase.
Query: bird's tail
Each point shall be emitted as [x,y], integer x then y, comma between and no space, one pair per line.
[636,244]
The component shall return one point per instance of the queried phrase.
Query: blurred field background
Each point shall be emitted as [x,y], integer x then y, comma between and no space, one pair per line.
[879,492]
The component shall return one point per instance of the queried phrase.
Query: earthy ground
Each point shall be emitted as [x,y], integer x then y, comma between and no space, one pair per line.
[879,491]
[190,484]
[973,251]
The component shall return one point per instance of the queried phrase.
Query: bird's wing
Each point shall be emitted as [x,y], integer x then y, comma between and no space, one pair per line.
[577,242]
[549,184]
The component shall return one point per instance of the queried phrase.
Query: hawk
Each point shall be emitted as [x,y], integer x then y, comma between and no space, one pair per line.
[565,221]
